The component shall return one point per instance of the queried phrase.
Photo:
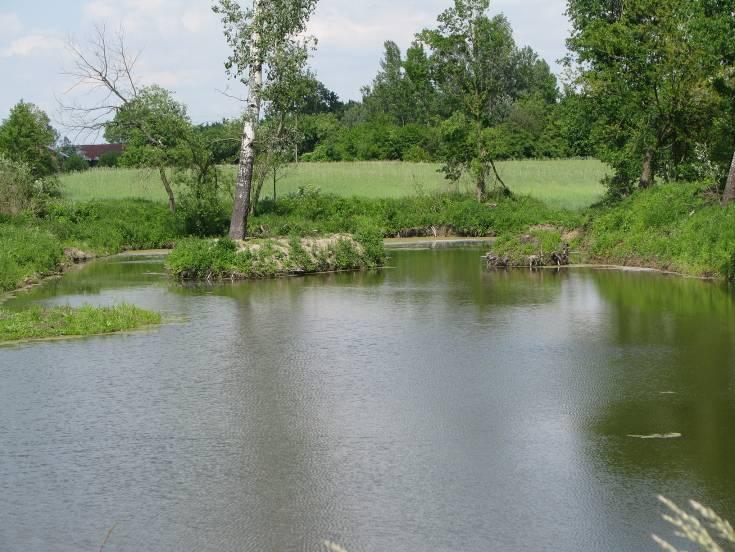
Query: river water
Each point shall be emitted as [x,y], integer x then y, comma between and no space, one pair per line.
[432,406]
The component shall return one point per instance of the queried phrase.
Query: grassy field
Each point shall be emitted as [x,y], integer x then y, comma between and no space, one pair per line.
[571,183]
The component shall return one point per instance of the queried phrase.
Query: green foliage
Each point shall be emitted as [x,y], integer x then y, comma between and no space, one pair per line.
[201,208]
[26,254]
[539,242]
[679,227]
[112,226]
[648,67]
[21,192]
[45,323]
[109,160]
[27,136]
[154,127]
[75,163]
[312,213]
[196,259]
[268,36]
[480,71]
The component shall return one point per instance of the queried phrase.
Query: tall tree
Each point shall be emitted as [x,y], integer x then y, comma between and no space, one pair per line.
[476,65]
[27,136]
[266,41]
[641,64]
[106,69]
[156,131]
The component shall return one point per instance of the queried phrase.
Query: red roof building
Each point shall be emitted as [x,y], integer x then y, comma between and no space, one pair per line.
[92,153]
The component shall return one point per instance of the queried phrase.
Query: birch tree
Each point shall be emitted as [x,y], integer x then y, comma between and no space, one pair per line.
[264,37]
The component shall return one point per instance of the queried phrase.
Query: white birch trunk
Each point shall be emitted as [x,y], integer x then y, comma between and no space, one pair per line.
[729,195]
[241,207]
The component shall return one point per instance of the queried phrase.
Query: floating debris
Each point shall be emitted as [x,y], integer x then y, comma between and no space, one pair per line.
[658,436]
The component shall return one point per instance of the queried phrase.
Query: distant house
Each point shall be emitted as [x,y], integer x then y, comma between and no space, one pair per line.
[93,152]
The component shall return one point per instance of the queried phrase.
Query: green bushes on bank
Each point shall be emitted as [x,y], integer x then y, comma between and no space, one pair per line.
[312,213]
[26,253]
[32,247]
[678,226]
[112,226]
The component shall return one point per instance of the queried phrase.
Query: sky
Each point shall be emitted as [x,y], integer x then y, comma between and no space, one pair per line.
[182,47]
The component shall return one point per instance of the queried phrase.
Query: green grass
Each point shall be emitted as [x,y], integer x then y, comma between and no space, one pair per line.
[32,248]
[224,259]
[568,183]
[27,254]
[46,323]
[316,213]
[677,226]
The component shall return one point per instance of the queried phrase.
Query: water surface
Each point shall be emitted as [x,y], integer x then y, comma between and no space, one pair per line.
[431,406]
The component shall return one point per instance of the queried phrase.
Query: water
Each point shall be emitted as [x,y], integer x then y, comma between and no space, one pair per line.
[432,406]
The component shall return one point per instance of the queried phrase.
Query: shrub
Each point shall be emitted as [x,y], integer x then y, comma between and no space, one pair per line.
[20,191]
[109,159]
[75,163]
[112,226]
[201,210]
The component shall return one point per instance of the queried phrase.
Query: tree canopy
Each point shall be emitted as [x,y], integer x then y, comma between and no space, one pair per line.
[27,136]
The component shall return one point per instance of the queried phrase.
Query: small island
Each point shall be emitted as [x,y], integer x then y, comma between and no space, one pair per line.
[226,259]
[62,322]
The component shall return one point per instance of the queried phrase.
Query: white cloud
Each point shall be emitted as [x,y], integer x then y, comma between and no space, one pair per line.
[194,20]
[31,44]
[10,24]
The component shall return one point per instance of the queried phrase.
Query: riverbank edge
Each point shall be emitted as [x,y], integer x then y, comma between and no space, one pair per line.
[448,242]
[212,260]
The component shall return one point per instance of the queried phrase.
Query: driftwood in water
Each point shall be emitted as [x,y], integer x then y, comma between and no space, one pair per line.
[556,258]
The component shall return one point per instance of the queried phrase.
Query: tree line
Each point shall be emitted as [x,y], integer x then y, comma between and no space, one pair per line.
[649,88]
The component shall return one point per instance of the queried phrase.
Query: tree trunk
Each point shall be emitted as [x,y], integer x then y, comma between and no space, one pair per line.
[480,188]
[647,172]
[169,190]
[241,206]
[262,175]
[729,195]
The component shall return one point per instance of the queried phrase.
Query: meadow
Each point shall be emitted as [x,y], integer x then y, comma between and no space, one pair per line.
[569,183]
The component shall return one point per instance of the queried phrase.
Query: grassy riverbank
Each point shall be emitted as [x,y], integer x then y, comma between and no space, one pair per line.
[678,227]
[32,247]
[40,323]
[224,259]
[560,183]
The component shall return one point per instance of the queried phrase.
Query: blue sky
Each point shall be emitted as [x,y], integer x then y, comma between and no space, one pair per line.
[183,49]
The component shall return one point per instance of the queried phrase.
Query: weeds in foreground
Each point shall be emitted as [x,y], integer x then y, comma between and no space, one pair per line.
[704,528]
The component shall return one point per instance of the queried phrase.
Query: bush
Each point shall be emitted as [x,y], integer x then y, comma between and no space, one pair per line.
[112,226]
[109,159]
[21,192]
[200,209]
[75,163]
[312,213]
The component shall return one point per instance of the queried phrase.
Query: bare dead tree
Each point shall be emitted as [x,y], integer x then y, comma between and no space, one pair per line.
[104,70]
